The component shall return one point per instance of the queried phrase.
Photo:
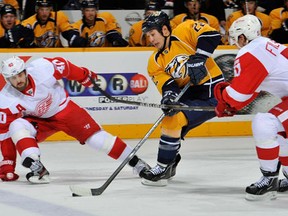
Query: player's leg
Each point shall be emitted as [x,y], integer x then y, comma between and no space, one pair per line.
[7,165]
[173,129]
[265,127]
[23,135]
[88,131]
[168,155]
[283,157]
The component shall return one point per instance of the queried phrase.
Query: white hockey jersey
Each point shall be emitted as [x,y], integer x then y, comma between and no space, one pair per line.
[261,65]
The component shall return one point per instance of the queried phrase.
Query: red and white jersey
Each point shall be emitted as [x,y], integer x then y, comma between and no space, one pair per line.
[261,65]
[45,96]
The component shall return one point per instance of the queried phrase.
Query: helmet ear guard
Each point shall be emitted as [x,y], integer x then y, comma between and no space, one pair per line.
[248,25]
[12,66]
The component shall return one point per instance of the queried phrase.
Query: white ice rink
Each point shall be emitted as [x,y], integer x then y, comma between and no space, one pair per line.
[210,180]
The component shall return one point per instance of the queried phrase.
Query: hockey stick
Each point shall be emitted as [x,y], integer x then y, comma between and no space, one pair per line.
[80,191]
[151,105]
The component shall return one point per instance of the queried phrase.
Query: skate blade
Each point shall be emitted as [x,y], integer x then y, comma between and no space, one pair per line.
[267,196]
[35,180]
[160,183]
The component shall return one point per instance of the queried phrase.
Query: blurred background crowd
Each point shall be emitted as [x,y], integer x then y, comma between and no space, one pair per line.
[45,23]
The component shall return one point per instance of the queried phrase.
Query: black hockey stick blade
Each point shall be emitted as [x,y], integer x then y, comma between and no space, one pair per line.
[81,191]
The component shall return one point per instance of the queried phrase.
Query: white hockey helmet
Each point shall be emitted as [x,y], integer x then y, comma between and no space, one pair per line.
[248,25]
[12,67]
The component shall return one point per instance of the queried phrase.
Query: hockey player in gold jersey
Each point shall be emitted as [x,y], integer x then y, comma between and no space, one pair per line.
[12,33]
[98,29]
[48,24]
[183,56]
[249,7]
[279,24]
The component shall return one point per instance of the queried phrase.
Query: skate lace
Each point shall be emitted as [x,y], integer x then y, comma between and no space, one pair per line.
[263,181]
[157,170]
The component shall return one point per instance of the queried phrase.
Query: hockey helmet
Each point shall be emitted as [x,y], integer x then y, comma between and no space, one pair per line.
[12,67]
[6,9]
[156,21]
[248,25]
[90,4]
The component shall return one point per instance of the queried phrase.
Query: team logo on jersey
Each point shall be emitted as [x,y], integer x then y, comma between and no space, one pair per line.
[97,39]
[47,40]
[177,67]
[43,106]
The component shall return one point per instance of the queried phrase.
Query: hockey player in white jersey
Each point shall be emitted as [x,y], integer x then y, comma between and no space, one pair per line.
[261,64]
[47,109]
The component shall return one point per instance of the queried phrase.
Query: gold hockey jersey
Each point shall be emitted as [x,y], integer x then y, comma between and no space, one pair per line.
[184,41]
[96,34]
[48,35]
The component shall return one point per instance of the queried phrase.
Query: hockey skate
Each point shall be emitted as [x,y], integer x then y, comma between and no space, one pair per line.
[283,183]
[264,189]
[39,174]
[159,175]
[138,165]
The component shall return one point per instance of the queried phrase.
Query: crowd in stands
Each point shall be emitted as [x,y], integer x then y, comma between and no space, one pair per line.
[40,23]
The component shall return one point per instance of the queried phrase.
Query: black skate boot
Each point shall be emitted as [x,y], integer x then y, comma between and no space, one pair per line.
[265,188]
[39,174]
[138,165]
[157,176]
[283,183]
[177,160]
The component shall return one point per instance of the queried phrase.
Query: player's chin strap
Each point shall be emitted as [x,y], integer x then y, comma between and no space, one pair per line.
[151,105]
[80,191]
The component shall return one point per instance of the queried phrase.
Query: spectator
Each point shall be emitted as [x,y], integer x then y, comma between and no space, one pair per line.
[47,26]
[279,23]
[251,6]
[136,37]
[98,29]
[193,8]
[12,34]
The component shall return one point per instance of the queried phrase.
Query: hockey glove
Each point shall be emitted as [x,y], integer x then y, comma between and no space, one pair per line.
[169,99]
[7,172]
[77,41]
[222,109]
[88,76]
[196,68]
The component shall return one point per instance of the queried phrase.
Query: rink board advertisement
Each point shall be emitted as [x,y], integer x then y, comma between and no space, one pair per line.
[122,74]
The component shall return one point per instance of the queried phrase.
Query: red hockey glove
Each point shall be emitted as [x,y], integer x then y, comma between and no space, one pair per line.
[88,75]
[7,172]
[222,109]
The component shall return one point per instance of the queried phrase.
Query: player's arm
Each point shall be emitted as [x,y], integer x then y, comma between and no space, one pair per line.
[65,69]
[113,34]
[204,39]
[243,88]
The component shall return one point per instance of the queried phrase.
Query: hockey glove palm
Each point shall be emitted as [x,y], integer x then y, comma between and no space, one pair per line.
[7,171]
[88,76]
[196,68]
[222,109]
[169,99]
